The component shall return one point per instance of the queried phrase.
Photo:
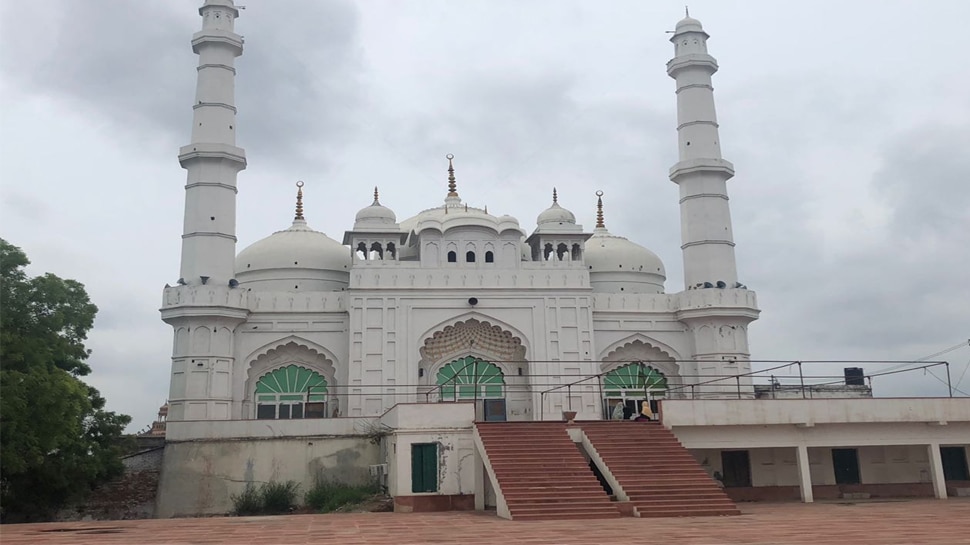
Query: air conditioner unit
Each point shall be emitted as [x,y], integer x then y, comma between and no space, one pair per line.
[379,473]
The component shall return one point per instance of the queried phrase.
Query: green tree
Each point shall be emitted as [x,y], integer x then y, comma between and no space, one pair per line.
[56,440]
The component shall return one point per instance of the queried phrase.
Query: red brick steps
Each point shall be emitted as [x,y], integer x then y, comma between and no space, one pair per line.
[541,473]
[656,473]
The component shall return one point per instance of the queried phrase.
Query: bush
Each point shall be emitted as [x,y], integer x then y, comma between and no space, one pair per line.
[248,503]
[271,498]
[279,497]
[327,496]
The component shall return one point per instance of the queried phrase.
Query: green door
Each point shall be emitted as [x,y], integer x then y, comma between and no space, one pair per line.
[424,467]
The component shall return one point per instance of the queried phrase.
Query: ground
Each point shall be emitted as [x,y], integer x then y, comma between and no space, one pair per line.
[871,522]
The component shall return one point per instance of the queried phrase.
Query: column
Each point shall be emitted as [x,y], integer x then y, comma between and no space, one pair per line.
[936,470]
[804,474]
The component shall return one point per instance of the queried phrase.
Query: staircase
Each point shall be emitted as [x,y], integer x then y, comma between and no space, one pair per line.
[654,471]
[541,473]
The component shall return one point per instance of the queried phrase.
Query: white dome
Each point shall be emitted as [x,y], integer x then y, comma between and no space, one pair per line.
[556,214]
[295,254]
[375,216]
[617,264]
[557,219]
[688,24]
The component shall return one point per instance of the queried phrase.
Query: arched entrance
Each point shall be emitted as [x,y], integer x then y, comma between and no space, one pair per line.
[290,392]
[475,360]
[629,385]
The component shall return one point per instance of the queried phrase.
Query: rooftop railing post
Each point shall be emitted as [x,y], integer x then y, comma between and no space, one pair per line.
[801,378]
[737,379]
[569,397]
[542,405]
[692,391]
[772,386]
[949,386]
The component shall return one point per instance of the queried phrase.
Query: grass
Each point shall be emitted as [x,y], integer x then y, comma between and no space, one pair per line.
[328,496]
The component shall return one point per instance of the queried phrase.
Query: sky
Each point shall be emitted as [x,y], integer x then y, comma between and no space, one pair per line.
[848,124]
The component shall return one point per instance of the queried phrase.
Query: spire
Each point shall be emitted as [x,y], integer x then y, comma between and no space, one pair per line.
[299,201]
[599,211]
[555,196]
[452,184]
[376,200]
[686,11]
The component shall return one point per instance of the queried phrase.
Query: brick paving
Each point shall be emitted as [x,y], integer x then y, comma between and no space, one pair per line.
[877,522]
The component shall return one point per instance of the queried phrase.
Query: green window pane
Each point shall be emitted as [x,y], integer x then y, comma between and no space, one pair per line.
[473,377]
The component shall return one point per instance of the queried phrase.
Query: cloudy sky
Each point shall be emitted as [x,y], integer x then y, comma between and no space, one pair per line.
[848,124]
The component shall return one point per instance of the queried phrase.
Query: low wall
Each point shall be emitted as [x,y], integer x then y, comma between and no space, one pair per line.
[200,476]
[810,412]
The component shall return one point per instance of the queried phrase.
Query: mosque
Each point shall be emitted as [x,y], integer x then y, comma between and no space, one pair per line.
[388,353]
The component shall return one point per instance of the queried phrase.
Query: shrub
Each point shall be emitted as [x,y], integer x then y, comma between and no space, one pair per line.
[279,497]
[249,502]
[271,498]
[327,496]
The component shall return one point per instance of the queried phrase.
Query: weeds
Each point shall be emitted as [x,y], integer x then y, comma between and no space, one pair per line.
[327,496]
[271,498]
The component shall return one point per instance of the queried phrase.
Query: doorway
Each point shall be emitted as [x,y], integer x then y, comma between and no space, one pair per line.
[845,462]
[954,463]
[736,467]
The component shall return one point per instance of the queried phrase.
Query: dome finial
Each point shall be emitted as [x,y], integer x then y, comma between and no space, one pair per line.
[376,201]
[452,184]
[599,211]
[686,11]
[299,201]
[555,196]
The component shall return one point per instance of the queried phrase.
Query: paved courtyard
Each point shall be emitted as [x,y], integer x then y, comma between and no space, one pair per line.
[909,521]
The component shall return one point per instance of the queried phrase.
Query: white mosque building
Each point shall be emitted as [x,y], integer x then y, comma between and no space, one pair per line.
[290,353]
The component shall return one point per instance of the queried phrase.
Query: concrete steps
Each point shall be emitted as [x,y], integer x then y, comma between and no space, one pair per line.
[657,474]
[541,473]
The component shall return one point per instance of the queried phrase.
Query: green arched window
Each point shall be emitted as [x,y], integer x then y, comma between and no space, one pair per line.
[283,392]
[473,377]
[635,377]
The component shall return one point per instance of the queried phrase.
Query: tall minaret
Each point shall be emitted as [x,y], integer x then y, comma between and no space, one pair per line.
[714,307]
[212,159]
[206,305]
[701,173]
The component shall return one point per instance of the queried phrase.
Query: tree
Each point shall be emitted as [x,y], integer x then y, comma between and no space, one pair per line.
[56,440]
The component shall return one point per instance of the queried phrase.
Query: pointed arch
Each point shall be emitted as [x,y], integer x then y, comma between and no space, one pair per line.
[636,376]
[609,352]
[289,351]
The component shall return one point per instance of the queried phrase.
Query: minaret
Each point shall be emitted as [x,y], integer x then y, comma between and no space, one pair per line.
[701,173]
[715,308]
[212,159]
[206,305]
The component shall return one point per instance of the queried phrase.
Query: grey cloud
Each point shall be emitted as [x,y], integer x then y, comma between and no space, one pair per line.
[131,64]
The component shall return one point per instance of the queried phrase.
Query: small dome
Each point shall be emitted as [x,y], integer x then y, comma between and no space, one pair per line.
[556,218]
[556,214]
[375,215]
[606,252]
[688,24]
[619,265]
[298,247]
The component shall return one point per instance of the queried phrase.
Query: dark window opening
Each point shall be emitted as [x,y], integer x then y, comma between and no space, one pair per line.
[470,257]
[452,257]
[489,257]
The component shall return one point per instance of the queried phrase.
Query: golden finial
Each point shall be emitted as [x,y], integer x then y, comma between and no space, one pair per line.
[452,185]
[555,196]
[599,210]
[299,201]
[375,196]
